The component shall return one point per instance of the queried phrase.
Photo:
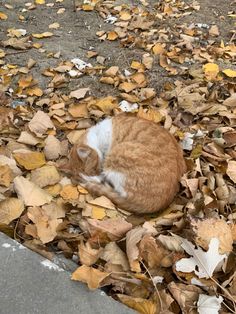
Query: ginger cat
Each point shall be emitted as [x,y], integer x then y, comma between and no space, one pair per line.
[136,163]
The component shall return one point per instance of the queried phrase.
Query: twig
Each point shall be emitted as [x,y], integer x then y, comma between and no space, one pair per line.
[16,52]
[158,294]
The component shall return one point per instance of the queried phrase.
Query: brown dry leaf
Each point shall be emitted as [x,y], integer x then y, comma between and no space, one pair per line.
[140,305]
[231,170]
[40,123]
[10,209]
[112,71]
[30,193]
[133,237]
[127,87]
[112,254]
[29,160]
[74,136]
[6,175]
[52,148]
[154,253]
[46,175]
[112,35]
[102,201]
[43,35]
[34,91]
[158,49]
[79,93]
[78,110]
[115,228]
[185,295]
[3,16]
[54,25]
[21,44]
[87,255]
[125,15]
[151,114]
[46,227]
[210,228]
[214,31]
[92,276]
[26,81]
[106,104]
[28,138]
[69,192]
[230,101]
[10,162]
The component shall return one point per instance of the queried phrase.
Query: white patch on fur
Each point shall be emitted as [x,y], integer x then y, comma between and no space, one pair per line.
[97,179]
[117,180]
[99,137]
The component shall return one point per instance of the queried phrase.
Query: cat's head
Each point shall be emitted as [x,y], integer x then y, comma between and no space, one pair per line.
[83,160]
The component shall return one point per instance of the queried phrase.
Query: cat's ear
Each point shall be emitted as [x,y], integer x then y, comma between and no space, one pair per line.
[83,152]
[65,167]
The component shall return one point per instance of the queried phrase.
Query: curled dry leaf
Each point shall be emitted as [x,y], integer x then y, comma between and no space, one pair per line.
[30,193]
[185,295]
[10,209]
[115,228]
[140,305]
[171,243]
[92,276]
[40,123]
[45,225]
[69,192]
[201,263]
[29,160]
[210,228]
[46,175]
[112,254]
[87,255]
[52,148]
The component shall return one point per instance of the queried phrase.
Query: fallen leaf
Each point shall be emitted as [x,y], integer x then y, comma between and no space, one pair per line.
[201,263]
[211,70]
[46,175]
[3,16]
[87,255]
[138,304]
[112,254]
[231,170]
[6,175]
[106,104]
[112,35]
[229,73]
[28,138]
[29,160]
[214,31]
[102,201]
[92,276]
[43,35]
[98,212]
[40,123]
[52,148]
[10,209]
[30,193]
[54,25]
[230,101]
[21,44]
[209,304]
[79,93]
[69,192]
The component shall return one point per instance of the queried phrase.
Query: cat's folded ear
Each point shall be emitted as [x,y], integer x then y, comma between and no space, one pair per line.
[65,167]
[90,159]
[83,152]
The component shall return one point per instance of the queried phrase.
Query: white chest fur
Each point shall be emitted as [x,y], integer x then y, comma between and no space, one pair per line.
[99,137]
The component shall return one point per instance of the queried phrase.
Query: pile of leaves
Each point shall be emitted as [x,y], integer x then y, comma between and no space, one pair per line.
[179,260]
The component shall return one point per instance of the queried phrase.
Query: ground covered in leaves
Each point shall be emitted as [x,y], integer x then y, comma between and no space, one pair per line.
[172,62]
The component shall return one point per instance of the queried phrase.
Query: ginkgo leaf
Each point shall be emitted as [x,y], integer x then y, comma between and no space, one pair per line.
[140,305]
[43,35]
[29,160]
[229,72]
[40,123]
[92,276]
[209,304]
[201,263]
[231,170]
[10,209]
[211,70]
[3,16]
[46,175]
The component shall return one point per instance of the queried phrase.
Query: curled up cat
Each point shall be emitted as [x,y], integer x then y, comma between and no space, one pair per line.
[134,162]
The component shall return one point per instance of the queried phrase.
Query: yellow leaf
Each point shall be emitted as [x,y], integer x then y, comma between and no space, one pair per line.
[158,49]
[87,7]
[125,15]
[98,212]
[106,104]
[137,66]
[10,209]
[69,192]
[29,160]
[92,276]
[40,1]
[112,35]
[229,73]
[25,81]
[6,175]
[151,114]
[140,305]
[43,35]
[211,70]
[3,16]
[37,45]
[34,91]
